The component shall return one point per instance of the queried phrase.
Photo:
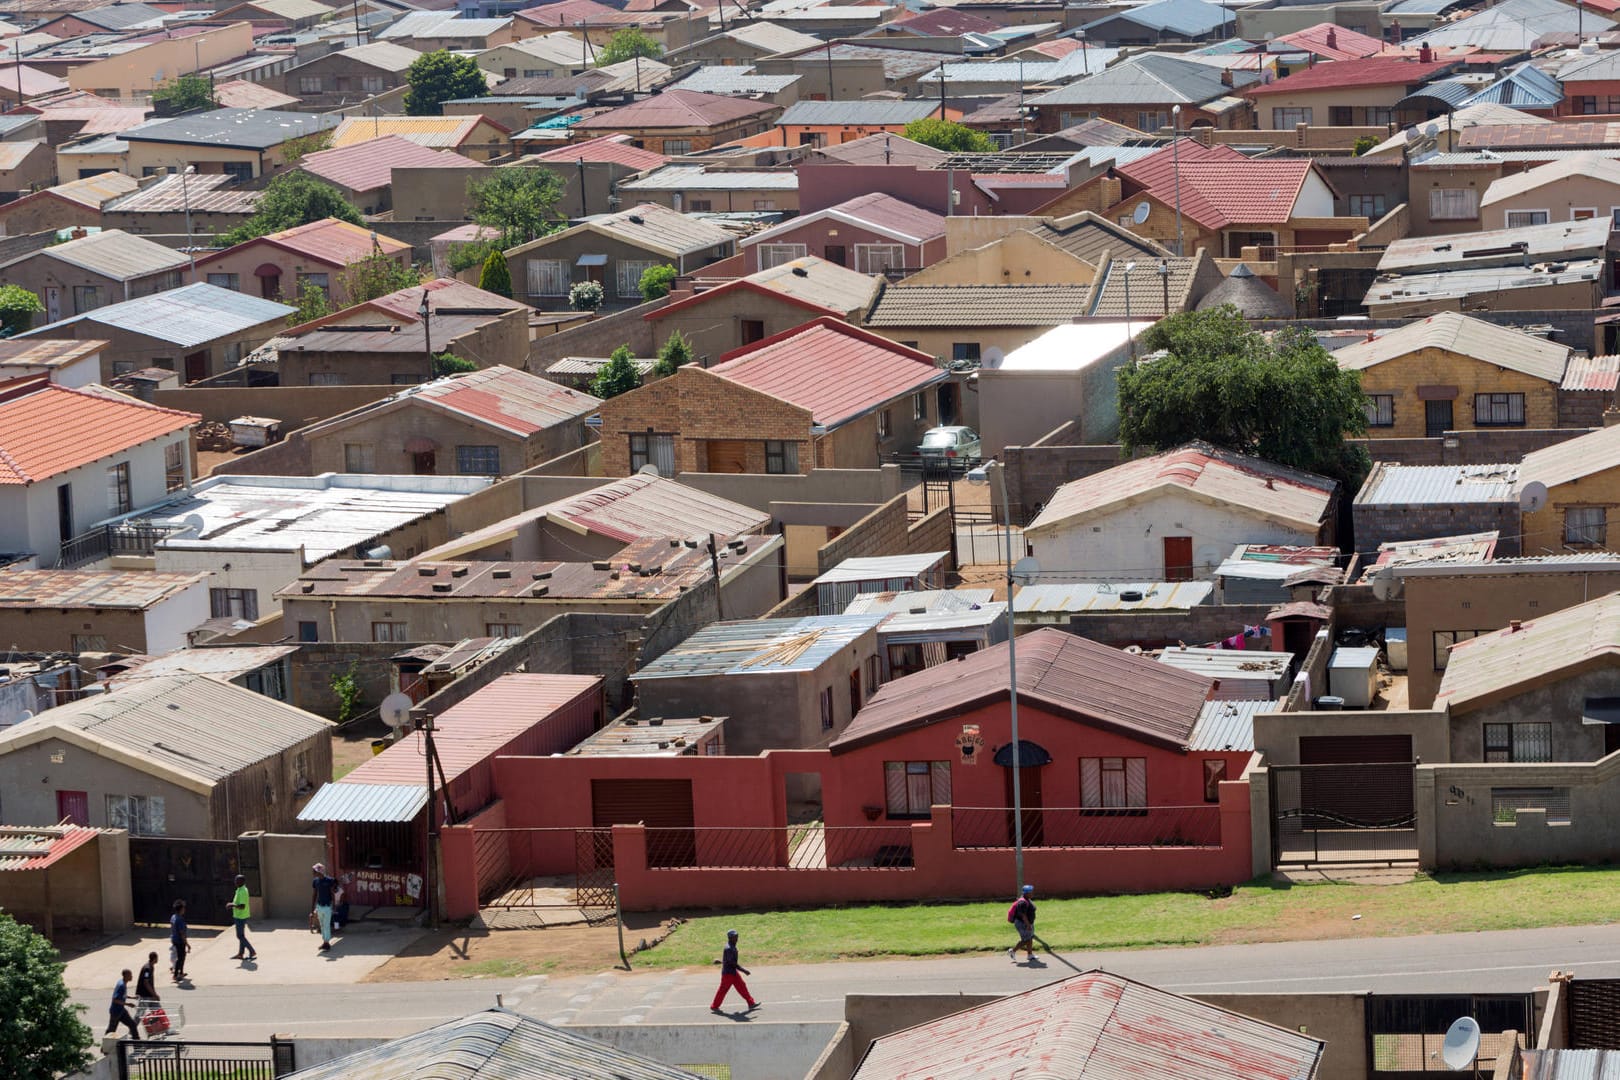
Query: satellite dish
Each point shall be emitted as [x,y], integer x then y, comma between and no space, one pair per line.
[1461,1045]
[194,524]
[1532,496]
[1431,130]
[26,716]
[993,358]
[395,711]
[1143,209]
[648,470]
[1025,570]
[1385,585]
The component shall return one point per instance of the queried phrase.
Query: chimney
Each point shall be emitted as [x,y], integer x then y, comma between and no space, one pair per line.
[1514,626]
[1395,31]
[1425,54]
[1372,335]
[1226,76]
[1112,192]
[1333,37]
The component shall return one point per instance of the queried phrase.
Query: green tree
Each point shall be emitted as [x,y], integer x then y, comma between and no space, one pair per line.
[295,150]
[949,136]
[18,307]
[437,77]
[586,295]
[1363,144]
[291,199]
[675,352]
[496,277]
[377,275]
[311,303]
[185,94]
[519,203]
[471,253]
[42,1037]
[617,376]
[448,363]
[656,281]
[627,44]
[1282,398]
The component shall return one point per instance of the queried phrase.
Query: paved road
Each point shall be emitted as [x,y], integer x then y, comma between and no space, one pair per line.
[1496,961]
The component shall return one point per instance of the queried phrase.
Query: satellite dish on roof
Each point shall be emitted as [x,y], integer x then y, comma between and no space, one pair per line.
[993,358]
[1025,570]
[648,470]
[395,711]
[1431,130]
[194,524]
[1533,496]
[1385,585]
[1143,209]
[1461,1045]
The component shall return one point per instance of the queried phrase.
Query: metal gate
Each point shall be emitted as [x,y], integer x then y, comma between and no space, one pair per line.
[204,1060]
[1342,813]
[1594,1014]
[593,870]
[200,872]
[1405,1031]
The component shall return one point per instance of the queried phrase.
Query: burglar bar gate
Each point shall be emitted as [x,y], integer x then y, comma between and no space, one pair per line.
[204,1060]
[1342,813]
[1405,1031]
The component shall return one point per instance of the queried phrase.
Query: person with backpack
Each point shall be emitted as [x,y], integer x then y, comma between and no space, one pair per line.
[1022,916]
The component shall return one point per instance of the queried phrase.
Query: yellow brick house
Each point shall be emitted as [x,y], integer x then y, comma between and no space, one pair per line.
[1581,478]
[1450,372]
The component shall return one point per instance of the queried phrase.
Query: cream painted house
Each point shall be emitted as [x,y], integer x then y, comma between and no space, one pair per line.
[136,73]
[1569,189]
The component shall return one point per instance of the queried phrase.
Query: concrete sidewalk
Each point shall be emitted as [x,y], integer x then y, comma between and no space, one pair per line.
[288,954]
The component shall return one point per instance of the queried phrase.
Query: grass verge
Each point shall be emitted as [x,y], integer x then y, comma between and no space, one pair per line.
[1259,911]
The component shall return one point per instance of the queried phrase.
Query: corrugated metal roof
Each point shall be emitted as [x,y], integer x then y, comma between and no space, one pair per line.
[1227,725]
[368,165]
[760,647]
[677,109]
[699,178]
[214,193]
[346,800]
[1409,485]
[255,129]
[445,132]
[1572,459]
[1213,475]
[861,113]
[642,506]
[1095,1026]
[1509,662]
[1592,373]
[493,1045]
[1079,596]
[1146,78]
[589,365]
[1591,167]
[1057,671]
[882,567]
[1570,1065]
[1226,664]
[188,316]
[33,848]
[918,601]
[112,253]
[223,663]
[176,726]
[721,79]
[876,211]
[89,589]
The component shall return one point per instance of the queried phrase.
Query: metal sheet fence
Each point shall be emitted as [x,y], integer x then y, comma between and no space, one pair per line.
[1088,827]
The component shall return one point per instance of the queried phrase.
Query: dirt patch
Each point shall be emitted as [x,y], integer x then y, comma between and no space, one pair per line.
[351,746]
[459,953]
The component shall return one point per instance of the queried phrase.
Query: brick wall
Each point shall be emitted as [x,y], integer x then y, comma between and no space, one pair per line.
[885,531]
[1583,408]
[1034,473]
[600,337]
[1196,626]
[1375,525]
[586,461]
[1480,447]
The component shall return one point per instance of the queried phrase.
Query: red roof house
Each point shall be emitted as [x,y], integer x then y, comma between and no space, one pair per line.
[281,264]
[871,234]
[1347,93]
[608,149]
[365,171]
[1328,41]
[677,122]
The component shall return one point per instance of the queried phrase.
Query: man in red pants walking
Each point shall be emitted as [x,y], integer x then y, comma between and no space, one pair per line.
[729,978]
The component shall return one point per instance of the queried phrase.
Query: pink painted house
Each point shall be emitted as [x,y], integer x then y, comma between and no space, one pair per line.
[870,234]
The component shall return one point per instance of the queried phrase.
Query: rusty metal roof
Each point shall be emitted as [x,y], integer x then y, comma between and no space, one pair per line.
[1057,671]
[30,847]
[1095,1026]
[86,589]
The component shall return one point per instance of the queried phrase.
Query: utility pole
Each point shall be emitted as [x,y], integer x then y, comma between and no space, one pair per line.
[942,89]
[425,725]
[584,210]
[427,333]
[714,561]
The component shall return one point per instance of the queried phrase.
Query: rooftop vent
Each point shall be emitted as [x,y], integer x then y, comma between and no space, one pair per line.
[501,575]
[637,219]
[799,271]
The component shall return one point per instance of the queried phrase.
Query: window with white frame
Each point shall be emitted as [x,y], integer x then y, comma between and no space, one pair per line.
[1519,219]
[232,282]
[118,495]
[1520,742]
[876,258]
[1367,206]
[548,277]
[233,603]
[174,466]
[478,460]
[1380,410]
[781,456]
[142,815]
[776,254]
[1286,119]
[1151,121]
[911,789]
[1113,783]
[655,450]
[1453,204]
[359,457]
[630,271]
[1499,410]
[1585,526]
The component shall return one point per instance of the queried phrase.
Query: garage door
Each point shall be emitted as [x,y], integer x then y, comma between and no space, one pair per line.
[663,806]
[1363,779]
[728,456]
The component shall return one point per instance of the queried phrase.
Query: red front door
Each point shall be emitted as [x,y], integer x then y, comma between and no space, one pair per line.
[73,807]
[1178,558]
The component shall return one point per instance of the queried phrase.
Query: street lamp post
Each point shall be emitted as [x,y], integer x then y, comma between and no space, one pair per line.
[1175,159]
[1130,266]
[427,333]
[185,201]
[1164,283]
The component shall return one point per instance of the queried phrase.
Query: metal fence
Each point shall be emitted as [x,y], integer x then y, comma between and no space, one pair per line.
[810,846]
[204,1060]
[107,540]
[1075,827]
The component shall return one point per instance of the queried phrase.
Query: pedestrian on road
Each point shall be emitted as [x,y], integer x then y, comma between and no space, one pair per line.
[240,909]
[118,1011]
[1022,916]
[323,896]
[729,979]
[179,941]
[146,982]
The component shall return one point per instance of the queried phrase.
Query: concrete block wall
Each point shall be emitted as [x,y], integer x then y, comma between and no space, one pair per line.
[1197,626]
[1479,447]
[294,406]
[316,663]
[1034,473]
[1355,605]
[1375,525]
[600,337]
[1583,408]
[885,531]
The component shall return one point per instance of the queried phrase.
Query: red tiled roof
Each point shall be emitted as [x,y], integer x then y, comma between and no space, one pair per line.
[1058,672]
[1157,173]
[830,368]
[615,149]
[369,165]
[48,431]
[1576,134]
[676,109]
[1057,48]
[1343,74]
[447,292]
[943,22]
[1221,187]
[574,12]
[1346,44]
[337,243]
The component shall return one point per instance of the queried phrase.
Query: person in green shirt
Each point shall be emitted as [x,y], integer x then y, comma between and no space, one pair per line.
[239,915]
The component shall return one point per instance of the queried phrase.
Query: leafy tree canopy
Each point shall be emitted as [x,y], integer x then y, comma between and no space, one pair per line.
[520,203]
[291,199]
[377,275]
[18,307]
[448,363]
[627,44]
[656,281]
[675,352]
[295,150]
[949,136]
[496,277]
[617,376]
[311,303]
[42,1037]
[1283,399]
[585,295]
[185,93]
[437,77]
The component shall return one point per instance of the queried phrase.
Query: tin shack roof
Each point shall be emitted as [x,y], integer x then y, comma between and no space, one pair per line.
[760,647]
